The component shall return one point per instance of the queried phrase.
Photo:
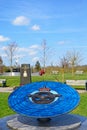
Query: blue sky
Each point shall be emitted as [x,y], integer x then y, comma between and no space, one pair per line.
[62,23]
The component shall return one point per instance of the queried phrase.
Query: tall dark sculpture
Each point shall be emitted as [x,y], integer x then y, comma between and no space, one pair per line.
[25,74]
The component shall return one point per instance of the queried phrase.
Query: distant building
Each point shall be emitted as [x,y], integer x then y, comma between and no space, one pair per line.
[1,65]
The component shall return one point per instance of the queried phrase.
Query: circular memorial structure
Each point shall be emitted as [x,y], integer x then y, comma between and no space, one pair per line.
[44,100]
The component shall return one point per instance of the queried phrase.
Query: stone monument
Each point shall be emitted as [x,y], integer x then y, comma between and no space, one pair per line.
[25,74]
[44,105]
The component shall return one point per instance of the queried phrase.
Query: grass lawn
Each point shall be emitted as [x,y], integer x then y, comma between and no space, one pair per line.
[11,81]
[14,81]
[82,108]
[5,110]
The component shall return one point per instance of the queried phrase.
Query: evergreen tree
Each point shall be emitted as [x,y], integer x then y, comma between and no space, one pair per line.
[37,66]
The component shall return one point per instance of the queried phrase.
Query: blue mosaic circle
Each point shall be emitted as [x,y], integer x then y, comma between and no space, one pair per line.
[20,102]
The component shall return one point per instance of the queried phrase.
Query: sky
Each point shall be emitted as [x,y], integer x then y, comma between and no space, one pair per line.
[61,23]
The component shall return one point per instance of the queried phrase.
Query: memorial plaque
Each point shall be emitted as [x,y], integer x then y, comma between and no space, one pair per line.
[25,74]
[44,99]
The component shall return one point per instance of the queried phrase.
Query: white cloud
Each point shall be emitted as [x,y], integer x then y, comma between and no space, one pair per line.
[22,49]
[35,27]
[21,20]
[35,59]
[34,47]
[64,42]
[18,56]
[32,52]
[3,39]
[4,48]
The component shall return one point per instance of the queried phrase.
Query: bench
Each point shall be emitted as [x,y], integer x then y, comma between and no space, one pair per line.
[55,72]
[3,82]
[79,72]
[76,82]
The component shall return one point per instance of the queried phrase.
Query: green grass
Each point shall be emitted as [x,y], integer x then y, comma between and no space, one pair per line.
[82,108]
[14,81]
[5,110]
[11,81]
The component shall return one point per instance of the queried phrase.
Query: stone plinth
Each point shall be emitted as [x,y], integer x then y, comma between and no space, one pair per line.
[63,122]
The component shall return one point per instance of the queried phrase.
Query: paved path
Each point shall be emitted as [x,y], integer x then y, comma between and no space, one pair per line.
[6,89]
[10,89]
[81,91]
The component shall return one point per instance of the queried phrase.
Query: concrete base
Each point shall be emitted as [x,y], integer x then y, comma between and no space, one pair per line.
[64,122]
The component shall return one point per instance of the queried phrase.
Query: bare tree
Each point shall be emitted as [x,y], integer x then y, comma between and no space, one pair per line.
[71,59]
[64,65]
[64,62]
[45,53]
[1,65]
[10,52]
[74,58]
